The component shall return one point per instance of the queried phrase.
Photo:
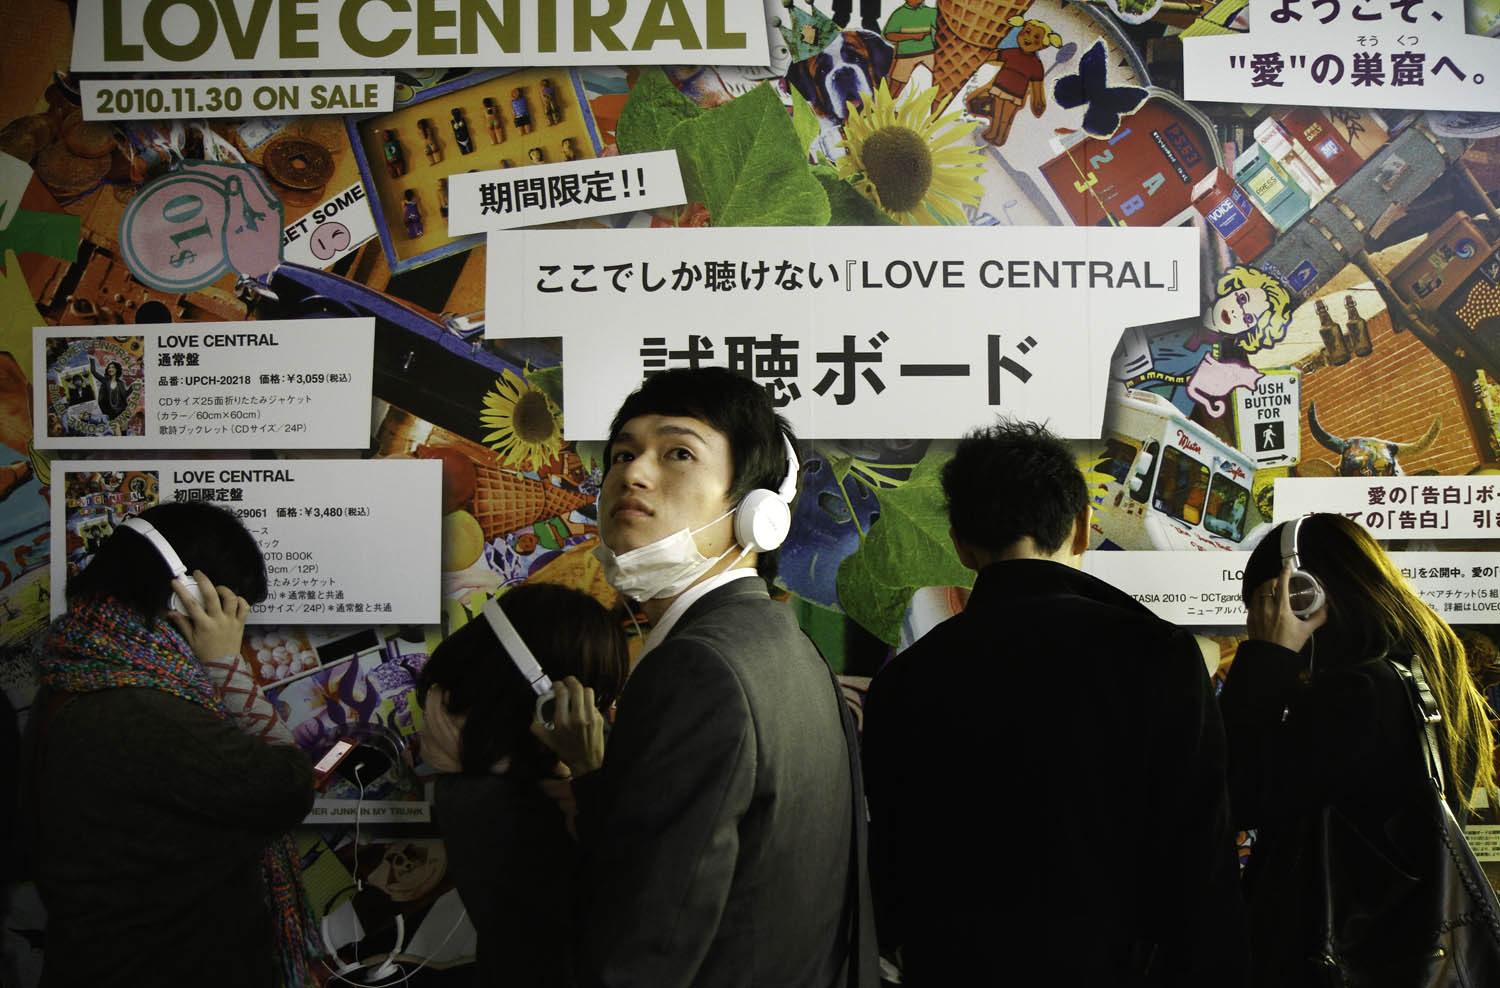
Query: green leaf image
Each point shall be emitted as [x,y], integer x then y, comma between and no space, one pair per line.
[846,206]
[804,121]
[653,109]
[906,548]
[745,162]
[547,380]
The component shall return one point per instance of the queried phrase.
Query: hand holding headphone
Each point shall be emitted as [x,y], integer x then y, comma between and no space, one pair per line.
[1288,608]
[211,619]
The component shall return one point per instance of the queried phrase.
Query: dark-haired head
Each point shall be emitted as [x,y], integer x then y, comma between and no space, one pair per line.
[205,537]
[569,632]
[1009,481]
[732,404]
[114,370]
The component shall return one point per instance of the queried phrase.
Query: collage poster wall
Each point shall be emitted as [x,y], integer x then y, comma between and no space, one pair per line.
[1237,273]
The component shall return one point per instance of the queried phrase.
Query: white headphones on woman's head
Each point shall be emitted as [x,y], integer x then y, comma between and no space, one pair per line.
[763,517]
[1304,591]
[525,662]
[159,542]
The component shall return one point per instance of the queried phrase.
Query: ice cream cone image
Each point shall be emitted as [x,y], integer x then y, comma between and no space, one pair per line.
[505,500]
[968,32]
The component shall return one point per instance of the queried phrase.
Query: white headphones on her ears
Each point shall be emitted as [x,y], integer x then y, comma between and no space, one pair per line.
[1304,591]
[510,640]
[146,530]
[764,517]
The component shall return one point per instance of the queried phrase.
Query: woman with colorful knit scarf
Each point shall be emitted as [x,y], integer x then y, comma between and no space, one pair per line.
[163,782]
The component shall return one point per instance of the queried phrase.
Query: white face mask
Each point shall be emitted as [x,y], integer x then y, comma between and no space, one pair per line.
[664,568]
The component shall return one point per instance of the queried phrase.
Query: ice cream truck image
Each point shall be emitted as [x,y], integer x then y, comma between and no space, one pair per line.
[1160,481]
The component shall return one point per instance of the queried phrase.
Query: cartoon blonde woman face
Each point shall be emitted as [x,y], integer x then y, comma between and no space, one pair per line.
[1252,305]
[1241,311]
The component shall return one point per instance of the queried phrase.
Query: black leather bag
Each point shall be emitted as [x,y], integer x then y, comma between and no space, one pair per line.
[1361,890]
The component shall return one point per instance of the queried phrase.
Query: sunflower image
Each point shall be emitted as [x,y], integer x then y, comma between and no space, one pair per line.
[526,425]
[916,165]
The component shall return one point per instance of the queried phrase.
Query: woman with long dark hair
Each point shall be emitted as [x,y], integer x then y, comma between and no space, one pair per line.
[1320,723]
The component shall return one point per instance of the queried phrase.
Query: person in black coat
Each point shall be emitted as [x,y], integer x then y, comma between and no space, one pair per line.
[1046,769]
[506,840]
[1317,718]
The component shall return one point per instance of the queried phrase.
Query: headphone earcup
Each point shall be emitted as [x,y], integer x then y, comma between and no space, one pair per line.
[1305,593]
[174,603]
[762,520]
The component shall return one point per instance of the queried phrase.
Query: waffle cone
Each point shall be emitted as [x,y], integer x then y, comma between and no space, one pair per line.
[968,32]
[505,501]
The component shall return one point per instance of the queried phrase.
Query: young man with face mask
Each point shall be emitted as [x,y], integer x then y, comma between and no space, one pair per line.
[720,840]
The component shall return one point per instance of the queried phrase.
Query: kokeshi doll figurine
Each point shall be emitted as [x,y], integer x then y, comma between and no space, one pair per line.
[551,108]
[568,151]
[429,142]
[395,158]
[536,155]
[520,111]
[461,132]
[443,197]
[411,214]
[492,120]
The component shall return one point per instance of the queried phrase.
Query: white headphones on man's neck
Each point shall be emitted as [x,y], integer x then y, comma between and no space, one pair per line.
[159,542]
[763,517]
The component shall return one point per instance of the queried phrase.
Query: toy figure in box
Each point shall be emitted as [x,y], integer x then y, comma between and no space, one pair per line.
[492,120]
[551,108]
[411,214]
[1019,79]
[395,158]
[520,110]
[537,156]
[443,197]
[429,142]
[461,132]
[568,151]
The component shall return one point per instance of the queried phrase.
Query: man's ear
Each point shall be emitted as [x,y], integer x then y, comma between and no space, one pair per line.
[965,552]
[1081,523]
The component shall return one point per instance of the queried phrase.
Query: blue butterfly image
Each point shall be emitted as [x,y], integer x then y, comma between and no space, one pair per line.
[1106,103]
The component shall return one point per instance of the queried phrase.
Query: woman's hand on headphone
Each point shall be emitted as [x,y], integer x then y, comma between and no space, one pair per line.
[442,744]
[215,627]
[577,732]
[1271,618]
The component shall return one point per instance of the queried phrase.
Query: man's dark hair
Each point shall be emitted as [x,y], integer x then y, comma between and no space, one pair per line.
[1011,480]
[569,632]
[734,405]
[205,537]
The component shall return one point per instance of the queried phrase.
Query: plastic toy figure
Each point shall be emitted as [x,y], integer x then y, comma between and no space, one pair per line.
[443,197]
[395,158]
[492,118]
[461,132]
[411,214]
[536,155]
[568,151]
[550,107]
[520,110]
[429,142]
